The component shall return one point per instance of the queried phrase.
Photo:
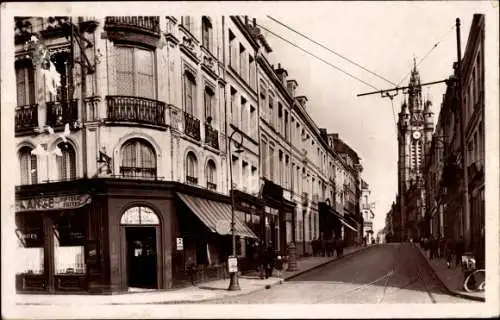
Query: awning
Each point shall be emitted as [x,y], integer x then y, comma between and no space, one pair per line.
[211,212]
[343,221]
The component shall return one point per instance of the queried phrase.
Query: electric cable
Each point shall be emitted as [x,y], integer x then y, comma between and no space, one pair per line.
[332,51]
[315,56]
[428,53]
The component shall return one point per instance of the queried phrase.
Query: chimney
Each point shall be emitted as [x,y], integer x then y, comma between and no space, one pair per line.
[323,133]
[302,100]
[291,86]
[282,74]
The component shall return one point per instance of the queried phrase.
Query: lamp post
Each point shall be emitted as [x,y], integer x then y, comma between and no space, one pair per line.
[233,284]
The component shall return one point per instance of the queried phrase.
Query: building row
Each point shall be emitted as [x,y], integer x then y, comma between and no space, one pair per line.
[436,163]
[446,217]
[137,136]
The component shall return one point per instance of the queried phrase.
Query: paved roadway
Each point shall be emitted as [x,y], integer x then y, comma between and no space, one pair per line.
[389,273]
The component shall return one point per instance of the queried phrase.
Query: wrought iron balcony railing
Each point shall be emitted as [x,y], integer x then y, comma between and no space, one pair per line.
[211,136]
[61,112]
[138,172]
[135,109]
[149,24]
[191,180]
[192,126]
[211,186]
[26,119]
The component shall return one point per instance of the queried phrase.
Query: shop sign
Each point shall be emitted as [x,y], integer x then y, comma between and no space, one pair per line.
[30,238]
[232,264]
[53,203]
[180,244]
[69,237]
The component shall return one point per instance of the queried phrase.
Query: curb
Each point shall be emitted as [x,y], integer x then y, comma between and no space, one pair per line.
[450,291]
[178,301]
[326,262]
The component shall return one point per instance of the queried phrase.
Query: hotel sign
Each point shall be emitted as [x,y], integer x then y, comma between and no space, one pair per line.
[53,203]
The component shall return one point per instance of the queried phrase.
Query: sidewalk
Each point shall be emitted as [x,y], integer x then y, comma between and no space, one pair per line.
[452,278]
[202,292]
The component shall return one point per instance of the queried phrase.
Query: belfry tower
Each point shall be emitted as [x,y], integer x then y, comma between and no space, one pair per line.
[415,127]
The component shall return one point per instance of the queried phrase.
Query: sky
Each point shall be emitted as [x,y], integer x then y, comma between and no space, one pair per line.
[384,38]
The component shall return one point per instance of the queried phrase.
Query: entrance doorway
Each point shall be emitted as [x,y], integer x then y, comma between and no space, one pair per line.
[141,252]
[141,257]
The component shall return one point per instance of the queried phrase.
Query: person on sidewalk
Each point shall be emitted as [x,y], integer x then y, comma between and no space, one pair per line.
[279,266]
[270,259]
[459,251]
[191,270]
[262,259]
[432,248]
[448,252]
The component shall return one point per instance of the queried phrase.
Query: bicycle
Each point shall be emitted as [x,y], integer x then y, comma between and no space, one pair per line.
[476,280]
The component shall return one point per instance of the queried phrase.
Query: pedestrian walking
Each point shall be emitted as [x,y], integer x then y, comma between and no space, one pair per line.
[270,259]
[191,270]
[262,259]
[279,266]
[459,251]
[448,249]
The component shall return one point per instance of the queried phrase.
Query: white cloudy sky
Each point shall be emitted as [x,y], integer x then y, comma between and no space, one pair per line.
[383,37]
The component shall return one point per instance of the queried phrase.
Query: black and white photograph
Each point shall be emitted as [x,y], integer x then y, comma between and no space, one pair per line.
[281,159]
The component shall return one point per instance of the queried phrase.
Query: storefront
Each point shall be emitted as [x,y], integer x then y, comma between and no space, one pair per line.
[279,221]
[111,235]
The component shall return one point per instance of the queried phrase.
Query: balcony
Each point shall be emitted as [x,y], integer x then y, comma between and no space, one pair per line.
[61,112]
[211,186]
[138,172]
[191,180]
[211,137]
[142,24]
[136,110]
[26,119]
[48,27]
[192,126]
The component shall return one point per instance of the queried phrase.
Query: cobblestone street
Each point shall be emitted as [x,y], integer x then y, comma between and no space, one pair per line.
[392,273]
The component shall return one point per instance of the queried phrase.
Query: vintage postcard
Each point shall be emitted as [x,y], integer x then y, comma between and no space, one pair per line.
[250,159]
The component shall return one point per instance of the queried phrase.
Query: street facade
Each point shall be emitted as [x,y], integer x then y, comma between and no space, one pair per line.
[152,149]
[441,170]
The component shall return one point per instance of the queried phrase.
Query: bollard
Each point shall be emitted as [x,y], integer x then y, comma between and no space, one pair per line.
[292,259]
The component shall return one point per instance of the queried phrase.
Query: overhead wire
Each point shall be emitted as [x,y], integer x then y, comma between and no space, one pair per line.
[332,51]
[428,53]
[315,56]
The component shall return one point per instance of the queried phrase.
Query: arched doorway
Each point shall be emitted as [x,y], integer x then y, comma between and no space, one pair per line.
[141,228]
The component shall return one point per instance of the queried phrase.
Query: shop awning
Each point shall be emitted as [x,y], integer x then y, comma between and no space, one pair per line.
[212,212]
[343,221]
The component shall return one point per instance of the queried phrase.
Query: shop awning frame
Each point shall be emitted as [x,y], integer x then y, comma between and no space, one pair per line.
[211,211]
[343,221]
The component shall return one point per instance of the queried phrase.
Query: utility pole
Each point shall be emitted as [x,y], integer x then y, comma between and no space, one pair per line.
[465,219]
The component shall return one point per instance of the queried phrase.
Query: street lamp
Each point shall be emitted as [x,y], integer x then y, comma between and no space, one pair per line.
[233,284]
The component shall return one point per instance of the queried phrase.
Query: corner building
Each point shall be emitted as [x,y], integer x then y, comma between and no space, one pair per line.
[126,171]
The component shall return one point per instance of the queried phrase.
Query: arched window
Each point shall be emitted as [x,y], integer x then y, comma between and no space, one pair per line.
[189,93]
[210,172]
[139,215]
[191,168]
[138,159]
[28,166]
[66,164]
